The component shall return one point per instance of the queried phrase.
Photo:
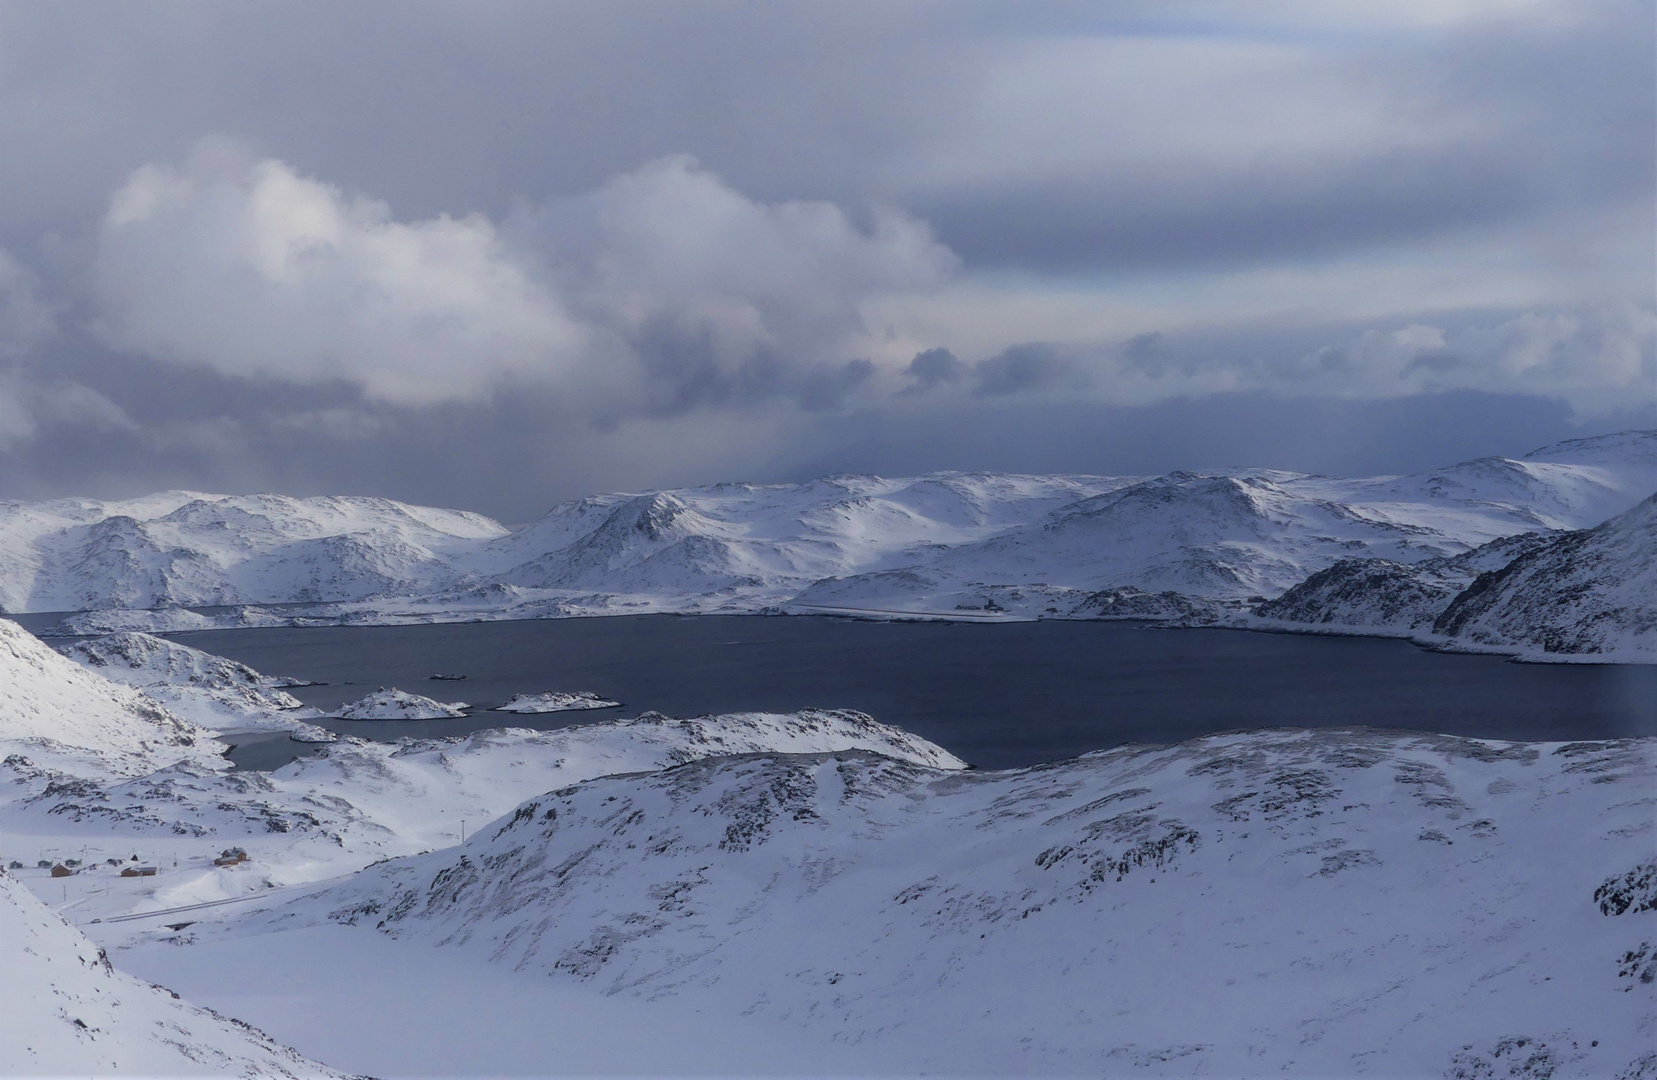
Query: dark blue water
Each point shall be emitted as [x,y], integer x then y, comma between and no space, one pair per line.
[998,695]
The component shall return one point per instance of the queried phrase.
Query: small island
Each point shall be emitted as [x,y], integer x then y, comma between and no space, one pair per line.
[553,701]
[394,704]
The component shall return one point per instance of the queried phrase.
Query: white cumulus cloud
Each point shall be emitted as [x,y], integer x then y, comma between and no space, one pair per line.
[262,271]
[663,289]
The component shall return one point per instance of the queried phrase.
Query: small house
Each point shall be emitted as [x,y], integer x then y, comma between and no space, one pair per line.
[61,870]
[139,871]
[231,857]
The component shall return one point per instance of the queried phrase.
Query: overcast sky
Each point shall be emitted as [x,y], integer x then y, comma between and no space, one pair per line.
[495,254]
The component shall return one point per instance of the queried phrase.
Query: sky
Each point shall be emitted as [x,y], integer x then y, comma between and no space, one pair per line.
[494,255]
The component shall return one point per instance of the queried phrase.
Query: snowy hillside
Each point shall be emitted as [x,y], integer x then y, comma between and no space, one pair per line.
[57,715]
[1371,594]
[1379,595]
[209,690]
[936,544]
[1259,532]
[1592,591]
[1318,903]
[168,620]
[1570,485]
[65,1011]
[358,801]
[952,545]
[188,548]
[1227,536]
[1584,593]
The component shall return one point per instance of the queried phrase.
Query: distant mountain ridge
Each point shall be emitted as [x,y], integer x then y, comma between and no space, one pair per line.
[943,544]
[189,548]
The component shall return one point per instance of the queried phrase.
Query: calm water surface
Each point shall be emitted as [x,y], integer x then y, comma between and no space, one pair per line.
[998,695]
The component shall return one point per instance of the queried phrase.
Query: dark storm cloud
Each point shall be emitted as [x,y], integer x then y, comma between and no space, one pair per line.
[934,367]
[1318,435]
[1146,354]
[828,388]
[1019,368]
[1085,223]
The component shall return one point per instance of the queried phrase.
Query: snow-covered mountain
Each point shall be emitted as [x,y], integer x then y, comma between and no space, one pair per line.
[65,1011]
[208,690]
[1311,902]
[1244,533]
[58,716]
[1383,596]
[183,547]
[1587,592]
[958,545]
[936,543]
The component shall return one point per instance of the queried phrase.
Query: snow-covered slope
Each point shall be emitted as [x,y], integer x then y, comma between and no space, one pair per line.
[1592,591]
[188,548]
[165,620]
[64,1011]
[950,543]
[1372,594]
[1317,903]
[209,690]
[57,715]
[358,801]
[1381,596]
[1226,536]
[1569,485]
[750,544]
[1259,532]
